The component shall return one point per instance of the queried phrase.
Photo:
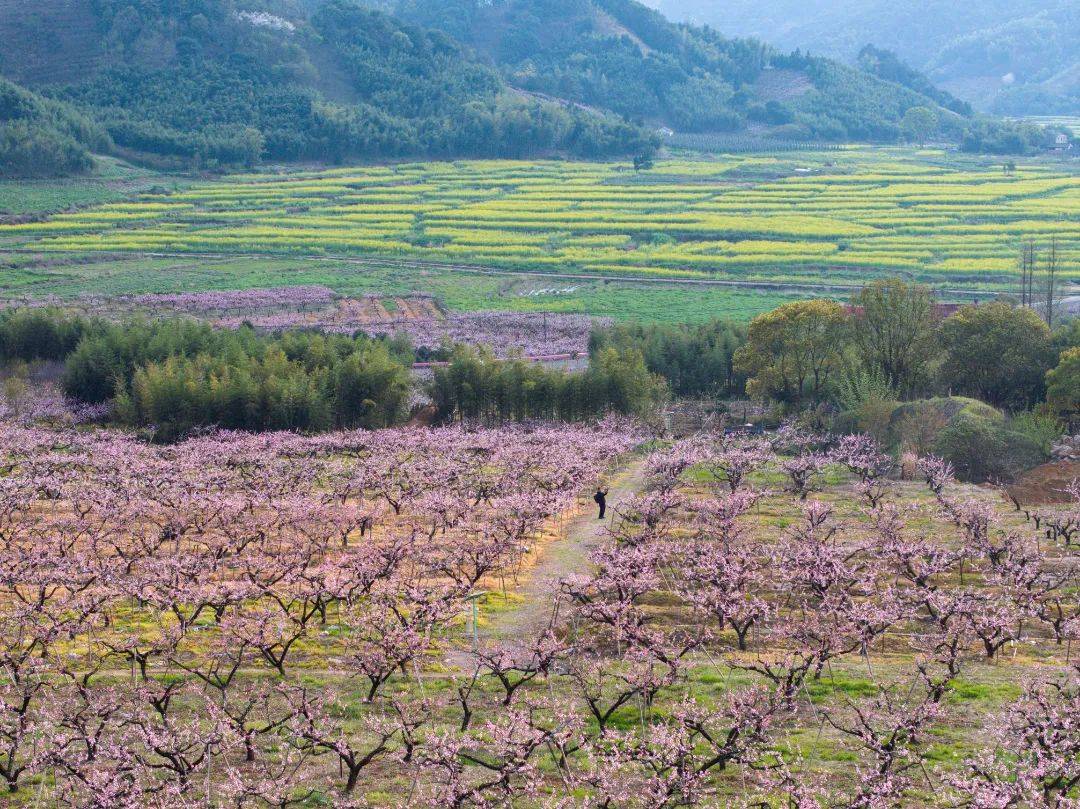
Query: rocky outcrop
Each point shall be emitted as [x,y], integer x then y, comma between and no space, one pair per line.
[1067,449]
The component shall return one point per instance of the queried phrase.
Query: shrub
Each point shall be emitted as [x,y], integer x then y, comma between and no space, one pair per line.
[1043,431]
[916,426]
[982,450]
[1063,387]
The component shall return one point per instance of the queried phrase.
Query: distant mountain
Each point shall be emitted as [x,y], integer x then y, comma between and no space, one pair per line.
[228,82]
[623,56]
[1006,56]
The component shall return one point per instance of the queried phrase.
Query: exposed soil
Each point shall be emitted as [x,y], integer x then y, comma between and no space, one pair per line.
[1045,485]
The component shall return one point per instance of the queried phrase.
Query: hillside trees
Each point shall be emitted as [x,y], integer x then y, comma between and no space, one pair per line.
[230,92]
[215,83]
[40,137]
[693,78]
[887,65]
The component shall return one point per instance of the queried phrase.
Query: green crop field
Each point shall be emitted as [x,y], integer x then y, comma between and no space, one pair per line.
[802,219]
[1070,122]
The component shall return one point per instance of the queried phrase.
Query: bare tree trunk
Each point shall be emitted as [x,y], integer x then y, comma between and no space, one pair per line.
[1051,280]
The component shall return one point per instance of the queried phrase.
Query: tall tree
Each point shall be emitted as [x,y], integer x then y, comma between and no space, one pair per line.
[793,352]
[997,353]
[893,331]
[1051,281]
[918,124]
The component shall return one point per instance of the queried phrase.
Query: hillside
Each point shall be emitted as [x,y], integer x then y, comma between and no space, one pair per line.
[40,137]
[1005,56]
[623,56]
[219,83]
[235,82]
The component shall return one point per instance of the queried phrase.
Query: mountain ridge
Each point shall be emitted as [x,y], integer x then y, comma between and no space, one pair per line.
[206,83]
[1000,55]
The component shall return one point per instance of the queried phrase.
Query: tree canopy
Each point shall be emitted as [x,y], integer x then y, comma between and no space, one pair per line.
[997,353]
[794,352]
[893,328]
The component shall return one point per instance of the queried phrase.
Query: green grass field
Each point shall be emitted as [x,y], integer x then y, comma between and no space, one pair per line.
[112,181]
[68,276]
[839,217]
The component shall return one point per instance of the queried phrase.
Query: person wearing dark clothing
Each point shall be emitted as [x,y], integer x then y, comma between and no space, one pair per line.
[600,498]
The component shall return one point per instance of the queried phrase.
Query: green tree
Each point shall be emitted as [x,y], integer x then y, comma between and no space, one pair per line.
[893,330]
[793,353]
[996,353]
[371,390]
[695,359]
[1063,387]
[477,386]
[918,124]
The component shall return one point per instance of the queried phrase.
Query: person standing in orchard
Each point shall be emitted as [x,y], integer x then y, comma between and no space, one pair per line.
[600,498]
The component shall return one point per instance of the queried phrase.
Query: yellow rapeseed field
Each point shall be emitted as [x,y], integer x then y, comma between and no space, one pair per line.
[831,215]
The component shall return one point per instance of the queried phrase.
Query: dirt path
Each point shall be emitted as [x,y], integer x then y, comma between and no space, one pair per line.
[558,559]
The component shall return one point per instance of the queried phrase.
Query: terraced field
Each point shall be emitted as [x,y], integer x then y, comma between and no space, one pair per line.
[1070,122]
[832,218]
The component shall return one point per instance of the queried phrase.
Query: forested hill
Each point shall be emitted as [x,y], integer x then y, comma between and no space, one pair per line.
[209,82]
[234,82]
[624,56]
[42,136]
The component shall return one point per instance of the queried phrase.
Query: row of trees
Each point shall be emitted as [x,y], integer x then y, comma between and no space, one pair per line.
[270,621]
[476,386]
[695,359]
[817,592]
[215,571]
[897,334]
[893,341]
[176,375]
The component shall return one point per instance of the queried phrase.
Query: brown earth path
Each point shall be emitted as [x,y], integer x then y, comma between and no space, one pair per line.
[536,597]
